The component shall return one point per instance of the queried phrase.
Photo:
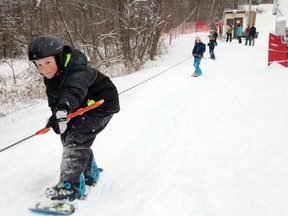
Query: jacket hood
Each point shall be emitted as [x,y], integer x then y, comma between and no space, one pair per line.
[77,57]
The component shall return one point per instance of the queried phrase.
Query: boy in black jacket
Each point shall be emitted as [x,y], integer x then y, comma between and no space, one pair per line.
[211,46]
[71,84]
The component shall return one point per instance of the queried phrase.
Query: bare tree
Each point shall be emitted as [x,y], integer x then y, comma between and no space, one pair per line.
[108,31]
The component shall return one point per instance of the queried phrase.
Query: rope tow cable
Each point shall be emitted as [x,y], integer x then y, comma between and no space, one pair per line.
[154,76]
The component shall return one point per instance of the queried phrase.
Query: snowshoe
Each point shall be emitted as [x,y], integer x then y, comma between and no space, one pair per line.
[53,208]
[92,174]
[66,190]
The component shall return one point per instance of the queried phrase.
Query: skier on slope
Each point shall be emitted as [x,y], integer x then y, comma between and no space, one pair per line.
[198,52]
[72,84]
[211,44]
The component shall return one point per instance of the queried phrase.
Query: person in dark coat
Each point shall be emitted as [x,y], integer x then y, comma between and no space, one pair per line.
[215,35]
[71,84]
[198,52]
[211,44]
[252,34]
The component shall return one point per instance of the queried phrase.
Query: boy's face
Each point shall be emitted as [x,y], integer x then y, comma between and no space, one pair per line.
[47,66]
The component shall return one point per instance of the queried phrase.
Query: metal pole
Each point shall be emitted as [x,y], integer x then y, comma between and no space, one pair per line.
[250,15]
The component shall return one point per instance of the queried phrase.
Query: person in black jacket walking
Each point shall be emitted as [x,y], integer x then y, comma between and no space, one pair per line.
[252,34]
[71,84]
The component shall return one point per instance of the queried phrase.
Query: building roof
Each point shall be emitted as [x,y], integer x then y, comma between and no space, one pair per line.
[234,11]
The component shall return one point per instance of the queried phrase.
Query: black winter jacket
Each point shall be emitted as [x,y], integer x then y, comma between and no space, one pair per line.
[211,44]
[77,82]
[252,31]
[199,50]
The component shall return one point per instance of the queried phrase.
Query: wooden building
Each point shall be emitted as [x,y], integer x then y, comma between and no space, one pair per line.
[235,17]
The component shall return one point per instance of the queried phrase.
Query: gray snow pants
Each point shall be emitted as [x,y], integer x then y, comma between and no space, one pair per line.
[77,140]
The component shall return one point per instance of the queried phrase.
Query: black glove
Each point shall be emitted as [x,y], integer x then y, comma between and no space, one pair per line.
[58,121]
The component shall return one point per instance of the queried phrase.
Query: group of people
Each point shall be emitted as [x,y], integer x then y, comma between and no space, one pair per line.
[249,33]
[200,47]
[72,84]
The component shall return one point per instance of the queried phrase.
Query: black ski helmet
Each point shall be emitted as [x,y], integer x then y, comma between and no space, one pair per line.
[44,46]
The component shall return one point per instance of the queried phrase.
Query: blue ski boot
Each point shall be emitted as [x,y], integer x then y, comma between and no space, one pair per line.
[91,174]
[66,190]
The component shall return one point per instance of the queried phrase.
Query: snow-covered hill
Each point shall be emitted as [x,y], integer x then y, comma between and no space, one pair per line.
[209,146]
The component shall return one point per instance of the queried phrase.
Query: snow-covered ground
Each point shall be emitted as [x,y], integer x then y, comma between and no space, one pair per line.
[209,146]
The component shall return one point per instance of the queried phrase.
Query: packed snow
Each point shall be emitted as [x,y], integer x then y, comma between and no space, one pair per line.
[215,145]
